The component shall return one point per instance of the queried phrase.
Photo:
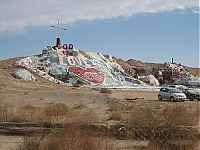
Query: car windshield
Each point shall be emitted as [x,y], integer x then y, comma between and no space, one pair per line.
[175,91]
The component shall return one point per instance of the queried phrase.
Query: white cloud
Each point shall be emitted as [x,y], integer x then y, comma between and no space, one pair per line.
[18,14]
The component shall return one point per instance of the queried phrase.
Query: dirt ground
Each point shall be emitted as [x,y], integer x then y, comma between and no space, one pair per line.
[16,92]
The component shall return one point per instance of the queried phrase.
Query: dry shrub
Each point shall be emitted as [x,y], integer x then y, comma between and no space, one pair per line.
[27,113]
[163,126]
[62,139]
[60,113]
[19,114]
[4,113]
[54,112]
[117,111]
[50,114]
[85,117]
[106,90]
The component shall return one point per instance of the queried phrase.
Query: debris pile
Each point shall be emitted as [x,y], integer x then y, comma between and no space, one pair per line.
[167,73]
[173,73]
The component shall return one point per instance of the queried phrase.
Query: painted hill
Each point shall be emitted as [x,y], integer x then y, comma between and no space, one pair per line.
[65,65]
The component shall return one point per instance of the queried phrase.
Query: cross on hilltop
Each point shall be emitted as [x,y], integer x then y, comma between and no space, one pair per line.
[58,41]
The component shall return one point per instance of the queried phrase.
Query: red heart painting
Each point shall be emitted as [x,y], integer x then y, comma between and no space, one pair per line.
[90,74]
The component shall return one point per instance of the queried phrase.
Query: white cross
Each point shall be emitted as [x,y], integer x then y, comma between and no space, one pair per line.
[58,27]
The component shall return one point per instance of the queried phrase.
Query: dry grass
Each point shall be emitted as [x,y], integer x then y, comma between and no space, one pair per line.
[65,138]
[21,114]
[117,111]
[29,113]
[86,117]
[68,138]
[161,127]
[4,112]
[50,114]
[55,112]
[60,113]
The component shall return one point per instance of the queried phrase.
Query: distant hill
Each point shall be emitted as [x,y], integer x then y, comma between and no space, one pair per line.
[194,71]
[133,64]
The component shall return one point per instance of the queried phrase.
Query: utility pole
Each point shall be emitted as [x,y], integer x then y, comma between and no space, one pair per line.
[58,41]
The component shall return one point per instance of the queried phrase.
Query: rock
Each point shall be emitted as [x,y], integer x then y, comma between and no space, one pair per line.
[24,75]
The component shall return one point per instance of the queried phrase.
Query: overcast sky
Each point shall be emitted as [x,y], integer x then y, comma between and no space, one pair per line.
[20,20]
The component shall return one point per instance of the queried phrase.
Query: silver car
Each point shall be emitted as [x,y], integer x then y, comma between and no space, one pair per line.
[172,94]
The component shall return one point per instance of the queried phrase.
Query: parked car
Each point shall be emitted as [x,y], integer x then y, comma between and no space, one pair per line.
[192,94]
[171,94]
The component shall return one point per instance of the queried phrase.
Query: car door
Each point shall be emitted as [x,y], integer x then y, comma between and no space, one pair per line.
[164,94]
[167,93]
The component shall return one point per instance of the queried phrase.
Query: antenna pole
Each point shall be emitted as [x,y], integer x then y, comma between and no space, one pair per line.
[58,29]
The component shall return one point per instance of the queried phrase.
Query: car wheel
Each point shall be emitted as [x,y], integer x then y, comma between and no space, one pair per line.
[191,98]
[172,99]
[160,97]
